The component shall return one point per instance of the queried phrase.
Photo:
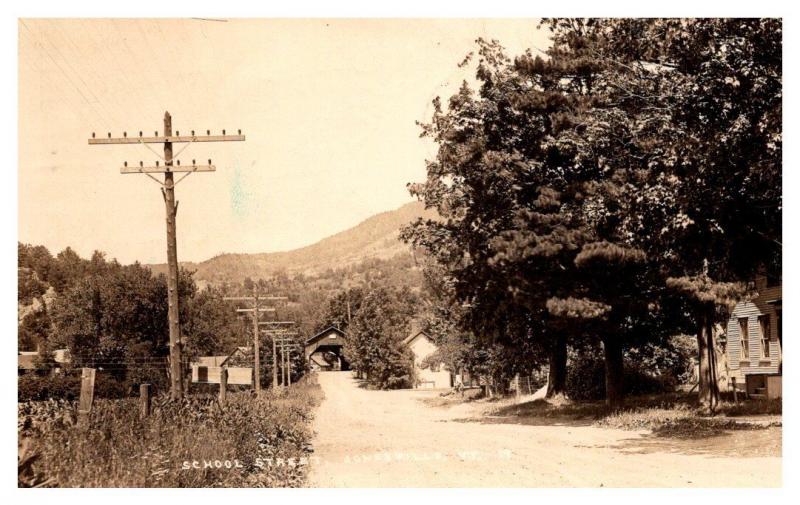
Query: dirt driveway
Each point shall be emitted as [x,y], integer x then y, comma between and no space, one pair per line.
[392,439]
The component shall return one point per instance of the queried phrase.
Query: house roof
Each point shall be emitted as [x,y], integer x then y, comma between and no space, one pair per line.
[219,360]
[25,360]
[62,356]
[325,332]
[209,360]
[241,350]
[414,334]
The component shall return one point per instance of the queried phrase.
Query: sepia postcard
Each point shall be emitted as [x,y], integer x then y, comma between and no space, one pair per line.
[400,252]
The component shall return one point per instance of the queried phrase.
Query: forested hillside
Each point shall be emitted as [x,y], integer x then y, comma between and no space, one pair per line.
[374,239]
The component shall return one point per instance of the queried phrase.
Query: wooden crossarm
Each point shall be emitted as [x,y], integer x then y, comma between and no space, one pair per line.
[162,169]
[163,139]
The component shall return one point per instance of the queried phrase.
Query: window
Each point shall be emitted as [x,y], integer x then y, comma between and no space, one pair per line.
[744,338]
[764,327]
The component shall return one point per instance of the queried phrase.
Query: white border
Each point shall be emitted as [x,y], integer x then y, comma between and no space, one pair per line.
[408,8]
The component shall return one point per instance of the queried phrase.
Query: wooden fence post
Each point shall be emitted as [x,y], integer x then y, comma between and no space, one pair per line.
[144,401]
[87,395]
[223,385]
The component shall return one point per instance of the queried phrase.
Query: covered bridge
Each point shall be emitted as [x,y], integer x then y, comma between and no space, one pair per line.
[323,351]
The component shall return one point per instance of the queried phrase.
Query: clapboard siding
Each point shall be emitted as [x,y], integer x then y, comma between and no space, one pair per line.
[755,363]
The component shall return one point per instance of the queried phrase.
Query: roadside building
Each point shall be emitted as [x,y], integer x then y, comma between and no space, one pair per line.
[427,375]
[755,342]
[208,369]
[324,351]
[27,361]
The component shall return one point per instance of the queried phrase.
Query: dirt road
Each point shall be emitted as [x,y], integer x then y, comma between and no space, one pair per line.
[392,439]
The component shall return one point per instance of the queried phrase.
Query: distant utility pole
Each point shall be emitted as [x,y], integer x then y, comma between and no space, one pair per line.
[286,346]
[278,335]
[256,309]
[168,191]
[271,332]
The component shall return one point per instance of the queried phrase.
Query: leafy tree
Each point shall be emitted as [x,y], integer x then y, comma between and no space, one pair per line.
[35,329]
[212,327]
[117,313]
[688,115]
[29,286]
[36,258]
[487,172]
[341,308]
[374,340]
[68,269]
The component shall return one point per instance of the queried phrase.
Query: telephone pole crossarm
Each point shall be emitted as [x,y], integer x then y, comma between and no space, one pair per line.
[158,169]
[176,139]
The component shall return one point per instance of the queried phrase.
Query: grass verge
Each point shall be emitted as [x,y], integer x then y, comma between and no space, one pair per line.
[250,442]
[673,415]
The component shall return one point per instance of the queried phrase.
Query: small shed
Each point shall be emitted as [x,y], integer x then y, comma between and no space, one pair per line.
[208,369]
[432,376]
[26,360]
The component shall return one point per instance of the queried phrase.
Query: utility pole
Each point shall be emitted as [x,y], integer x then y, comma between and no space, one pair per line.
[279,338]
[285,356]
[256,309]
[177,389]
[275,330]
[286,349]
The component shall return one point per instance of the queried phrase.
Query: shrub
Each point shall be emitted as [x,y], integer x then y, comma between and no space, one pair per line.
[645,373]
[67,386]
[32,387]
[117,449]
[586,378]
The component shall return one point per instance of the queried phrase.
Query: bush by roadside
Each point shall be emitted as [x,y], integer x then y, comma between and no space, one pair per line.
[674,415]
[648,370]
[117,449]
[33,387]
[682,421]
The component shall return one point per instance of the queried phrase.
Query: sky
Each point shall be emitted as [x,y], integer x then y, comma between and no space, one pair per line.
[328,107]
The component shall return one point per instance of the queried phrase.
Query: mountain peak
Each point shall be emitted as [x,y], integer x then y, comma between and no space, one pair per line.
[376,237]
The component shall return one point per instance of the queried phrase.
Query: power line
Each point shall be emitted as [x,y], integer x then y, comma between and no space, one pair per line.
[76,73]
[95,77]
[64,73]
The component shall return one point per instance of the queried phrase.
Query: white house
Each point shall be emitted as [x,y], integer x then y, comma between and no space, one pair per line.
[755,342]
[208,369]
[431,377]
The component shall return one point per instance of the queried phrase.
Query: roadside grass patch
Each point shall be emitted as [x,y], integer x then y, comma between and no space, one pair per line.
[117,449]
[752,408]
[452,398]
[671,415]
[682,418]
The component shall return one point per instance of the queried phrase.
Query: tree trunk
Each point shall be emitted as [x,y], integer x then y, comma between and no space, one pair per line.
[557,373]
[707,384]
[615,395]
